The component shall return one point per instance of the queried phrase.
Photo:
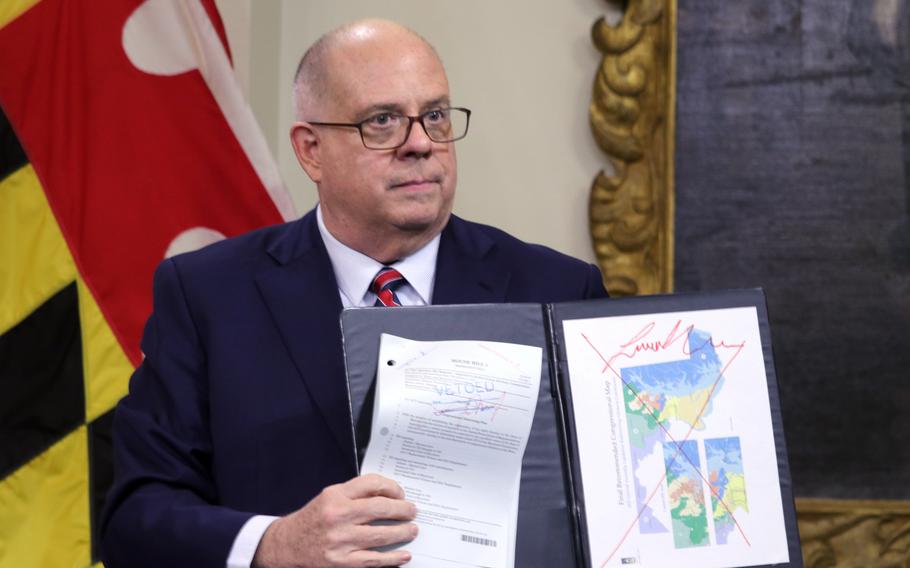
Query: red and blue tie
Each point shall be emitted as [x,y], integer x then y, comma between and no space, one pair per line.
[384,285]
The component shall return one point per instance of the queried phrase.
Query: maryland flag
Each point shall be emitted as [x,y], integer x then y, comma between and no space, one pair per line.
[123,139]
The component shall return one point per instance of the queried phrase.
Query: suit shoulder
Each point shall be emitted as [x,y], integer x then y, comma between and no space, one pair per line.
[245,252]
[520,250]
[537,273]
[233,248]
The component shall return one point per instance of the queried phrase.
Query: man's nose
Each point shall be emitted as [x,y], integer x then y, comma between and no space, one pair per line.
[417,143]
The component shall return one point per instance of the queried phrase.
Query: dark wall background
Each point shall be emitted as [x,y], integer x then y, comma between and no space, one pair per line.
[793,154]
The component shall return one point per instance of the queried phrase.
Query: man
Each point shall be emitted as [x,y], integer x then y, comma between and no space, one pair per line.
[239,409]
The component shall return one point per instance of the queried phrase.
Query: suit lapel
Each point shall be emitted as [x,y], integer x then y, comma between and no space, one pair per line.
[301,293]
[302,296]
[464,272]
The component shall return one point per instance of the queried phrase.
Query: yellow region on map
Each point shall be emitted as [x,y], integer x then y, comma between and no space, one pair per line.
[734,496]
[688,408]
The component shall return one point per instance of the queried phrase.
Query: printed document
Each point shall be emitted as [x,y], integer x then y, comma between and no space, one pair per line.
[451,420]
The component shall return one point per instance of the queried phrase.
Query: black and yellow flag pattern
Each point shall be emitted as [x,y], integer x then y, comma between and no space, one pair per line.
[131,152]
[61,374]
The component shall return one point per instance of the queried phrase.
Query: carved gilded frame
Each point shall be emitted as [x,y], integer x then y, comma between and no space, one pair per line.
[844,532]
[631,211]
[632,115]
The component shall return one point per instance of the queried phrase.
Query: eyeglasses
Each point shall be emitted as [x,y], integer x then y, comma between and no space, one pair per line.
[388,130]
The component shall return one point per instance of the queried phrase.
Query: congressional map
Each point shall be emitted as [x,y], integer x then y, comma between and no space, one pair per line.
[675,440]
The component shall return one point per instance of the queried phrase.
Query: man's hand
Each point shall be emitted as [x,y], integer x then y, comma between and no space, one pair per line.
[333,529]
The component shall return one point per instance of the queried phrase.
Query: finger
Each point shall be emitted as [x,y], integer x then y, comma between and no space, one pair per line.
[374,558]
[371,485]
[375,536]
[378,508]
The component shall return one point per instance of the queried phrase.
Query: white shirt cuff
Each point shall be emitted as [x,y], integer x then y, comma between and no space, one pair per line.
[247,541]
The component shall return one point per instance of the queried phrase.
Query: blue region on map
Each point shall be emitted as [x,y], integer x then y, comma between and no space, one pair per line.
[679,378]
[725,457]
[682,459]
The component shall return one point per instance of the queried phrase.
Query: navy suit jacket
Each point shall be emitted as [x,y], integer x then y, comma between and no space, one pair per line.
[240,405]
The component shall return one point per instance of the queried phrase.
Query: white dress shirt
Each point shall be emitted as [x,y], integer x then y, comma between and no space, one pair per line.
[354,273]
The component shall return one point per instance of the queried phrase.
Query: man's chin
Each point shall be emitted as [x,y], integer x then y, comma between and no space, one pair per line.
[429,223]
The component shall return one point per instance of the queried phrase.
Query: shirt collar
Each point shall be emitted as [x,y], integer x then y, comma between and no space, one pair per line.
[354,271]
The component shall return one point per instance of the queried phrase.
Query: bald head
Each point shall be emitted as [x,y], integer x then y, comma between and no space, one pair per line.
[313,81]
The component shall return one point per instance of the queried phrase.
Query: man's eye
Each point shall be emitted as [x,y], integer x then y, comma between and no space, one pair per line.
[381,120]
[436,115]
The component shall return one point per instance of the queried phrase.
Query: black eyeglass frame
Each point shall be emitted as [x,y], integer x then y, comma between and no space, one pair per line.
[411,119]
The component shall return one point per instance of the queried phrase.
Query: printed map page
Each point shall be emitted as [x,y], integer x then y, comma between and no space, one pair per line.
[675,440]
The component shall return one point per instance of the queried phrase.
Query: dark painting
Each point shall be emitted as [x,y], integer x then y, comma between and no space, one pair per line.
[793,153]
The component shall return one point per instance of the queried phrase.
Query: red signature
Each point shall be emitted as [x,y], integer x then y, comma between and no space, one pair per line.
[640,342]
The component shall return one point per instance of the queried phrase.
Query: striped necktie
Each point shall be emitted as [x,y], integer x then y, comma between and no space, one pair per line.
[384,284]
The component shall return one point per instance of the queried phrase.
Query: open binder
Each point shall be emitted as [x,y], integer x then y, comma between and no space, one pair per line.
[562,508]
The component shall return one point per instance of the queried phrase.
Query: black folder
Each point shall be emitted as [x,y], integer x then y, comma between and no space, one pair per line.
[551,518]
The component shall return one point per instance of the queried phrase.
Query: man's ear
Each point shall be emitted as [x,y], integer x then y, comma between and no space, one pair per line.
[305,141]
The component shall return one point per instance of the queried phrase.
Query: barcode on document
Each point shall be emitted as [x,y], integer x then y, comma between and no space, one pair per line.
[478,540]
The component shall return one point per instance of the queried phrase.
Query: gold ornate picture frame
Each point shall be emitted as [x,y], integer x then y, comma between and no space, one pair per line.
[632,116]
